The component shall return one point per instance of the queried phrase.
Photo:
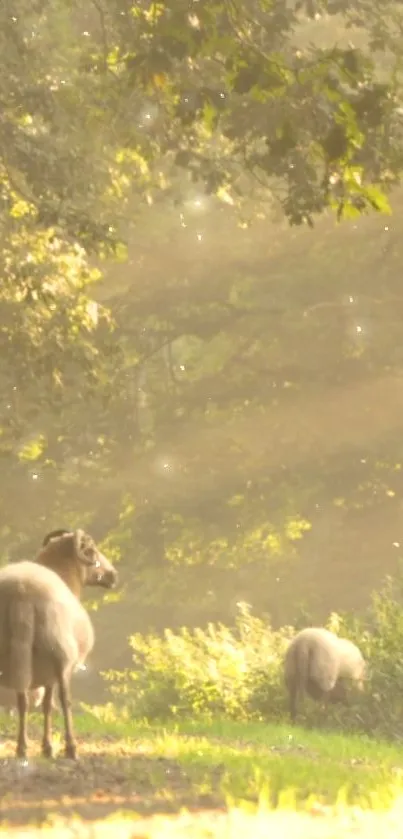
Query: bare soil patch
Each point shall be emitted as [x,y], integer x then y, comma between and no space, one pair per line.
[110,776]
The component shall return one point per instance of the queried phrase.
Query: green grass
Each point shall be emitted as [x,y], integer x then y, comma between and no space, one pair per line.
[256,759]
[231,778]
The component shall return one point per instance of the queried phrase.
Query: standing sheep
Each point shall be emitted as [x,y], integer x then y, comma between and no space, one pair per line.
[45,632]
[319,663]
[8,698]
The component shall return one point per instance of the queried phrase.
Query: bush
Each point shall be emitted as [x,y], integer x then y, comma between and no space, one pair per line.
[379,636]
[238,672]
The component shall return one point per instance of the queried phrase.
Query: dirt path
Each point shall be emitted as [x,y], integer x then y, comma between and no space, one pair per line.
[110,776]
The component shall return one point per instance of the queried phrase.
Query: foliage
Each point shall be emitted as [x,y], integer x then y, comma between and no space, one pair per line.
[380,638]
[230,99]
[165,418]
[216,671]
[238,672]
[233,99]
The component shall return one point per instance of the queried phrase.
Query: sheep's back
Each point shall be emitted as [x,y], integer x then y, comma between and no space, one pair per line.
[29,579]
[63,634]
[318,646]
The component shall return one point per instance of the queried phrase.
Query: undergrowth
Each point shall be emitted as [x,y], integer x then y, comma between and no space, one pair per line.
[237,671]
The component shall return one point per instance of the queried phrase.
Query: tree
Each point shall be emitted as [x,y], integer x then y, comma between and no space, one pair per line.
[233,99]
[166,417]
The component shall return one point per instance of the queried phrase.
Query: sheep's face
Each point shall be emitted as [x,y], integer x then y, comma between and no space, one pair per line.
[98,571]
[66,546]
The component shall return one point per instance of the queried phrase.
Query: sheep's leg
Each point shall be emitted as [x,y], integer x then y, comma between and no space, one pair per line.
[70,749]
[293,703]
[22,705]
[47,706]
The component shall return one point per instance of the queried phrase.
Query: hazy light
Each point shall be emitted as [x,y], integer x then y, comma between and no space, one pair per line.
[35,476]
[197,203]
[194,21]
[148,113]
[351,299]
[361,330]
[396,544]
[23,763]
[181,367]
[199,237]
[164,465]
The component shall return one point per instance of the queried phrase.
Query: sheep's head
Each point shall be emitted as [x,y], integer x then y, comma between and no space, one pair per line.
[62,546]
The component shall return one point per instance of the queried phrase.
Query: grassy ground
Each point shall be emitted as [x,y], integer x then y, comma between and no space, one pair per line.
[201,780]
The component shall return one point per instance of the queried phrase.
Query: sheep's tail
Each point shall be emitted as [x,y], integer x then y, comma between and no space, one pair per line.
[21,630]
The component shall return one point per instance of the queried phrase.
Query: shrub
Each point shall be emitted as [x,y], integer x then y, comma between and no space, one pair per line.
[237,672]
[208,672]
[380,637]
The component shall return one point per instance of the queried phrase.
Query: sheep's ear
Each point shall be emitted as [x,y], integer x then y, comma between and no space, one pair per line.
[81,544]
[56,535]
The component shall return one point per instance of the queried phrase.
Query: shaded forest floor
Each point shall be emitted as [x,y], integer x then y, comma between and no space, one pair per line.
[203,780]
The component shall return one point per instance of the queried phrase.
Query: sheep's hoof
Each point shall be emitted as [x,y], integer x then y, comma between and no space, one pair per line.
[70,751]
[47,750]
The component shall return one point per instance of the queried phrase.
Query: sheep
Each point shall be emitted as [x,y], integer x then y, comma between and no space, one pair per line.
[45,632]
[319,663]
[8,699]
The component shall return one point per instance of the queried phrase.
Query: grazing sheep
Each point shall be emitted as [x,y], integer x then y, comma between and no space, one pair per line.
[45,632]
[319,663]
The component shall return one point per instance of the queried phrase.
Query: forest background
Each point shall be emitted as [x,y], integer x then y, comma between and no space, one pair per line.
[200,301]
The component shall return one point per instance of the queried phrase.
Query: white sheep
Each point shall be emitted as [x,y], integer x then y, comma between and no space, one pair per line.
[45,632]
[8,698]
[321,664]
